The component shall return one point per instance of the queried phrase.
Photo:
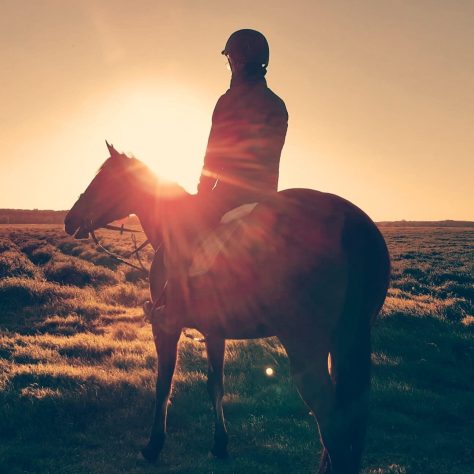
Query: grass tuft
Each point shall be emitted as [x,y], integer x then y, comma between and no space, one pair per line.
[14,264]
[79,273]
[17,293]
[124,332]
[126,294]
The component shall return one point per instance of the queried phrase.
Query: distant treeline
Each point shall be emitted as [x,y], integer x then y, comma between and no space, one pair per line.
[447,223]
[34,216]
[37,216]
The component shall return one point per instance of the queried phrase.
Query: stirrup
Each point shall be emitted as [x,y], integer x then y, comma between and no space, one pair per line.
[151,311]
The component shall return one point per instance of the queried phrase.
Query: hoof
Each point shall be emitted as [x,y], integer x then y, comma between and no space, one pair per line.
[219,453]
[150,454]
[219,450]
[152,450]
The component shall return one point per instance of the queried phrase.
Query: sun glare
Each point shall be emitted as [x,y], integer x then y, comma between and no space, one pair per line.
[166,129]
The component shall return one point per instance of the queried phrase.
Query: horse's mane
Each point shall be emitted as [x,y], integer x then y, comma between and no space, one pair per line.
[129,165]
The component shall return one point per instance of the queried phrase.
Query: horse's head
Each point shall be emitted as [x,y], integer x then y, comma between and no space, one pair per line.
[107,198]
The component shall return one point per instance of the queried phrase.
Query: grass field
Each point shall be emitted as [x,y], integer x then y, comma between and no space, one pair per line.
[77,368]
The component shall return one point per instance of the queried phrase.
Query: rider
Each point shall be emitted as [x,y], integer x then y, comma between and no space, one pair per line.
[248,130]
[249,125]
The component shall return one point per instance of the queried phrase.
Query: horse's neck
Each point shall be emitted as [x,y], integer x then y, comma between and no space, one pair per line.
[147,212]
[153,210]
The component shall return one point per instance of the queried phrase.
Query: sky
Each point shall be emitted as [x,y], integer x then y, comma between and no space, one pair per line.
[379,92]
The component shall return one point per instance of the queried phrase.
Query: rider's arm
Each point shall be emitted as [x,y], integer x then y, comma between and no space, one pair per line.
[213,157]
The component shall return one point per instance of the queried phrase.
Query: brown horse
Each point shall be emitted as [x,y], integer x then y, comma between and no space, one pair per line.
[308,267]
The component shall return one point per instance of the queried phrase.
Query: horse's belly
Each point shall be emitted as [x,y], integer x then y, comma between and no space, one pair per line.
[231,315]
[228,327]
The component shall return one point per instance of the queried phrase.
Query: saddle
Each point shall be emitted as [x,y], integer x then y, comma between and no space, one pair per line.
[212,242]
[206,250]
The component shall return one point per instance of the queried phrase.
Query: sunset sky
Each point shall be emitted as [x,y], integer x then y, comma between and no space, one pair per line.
[380,95]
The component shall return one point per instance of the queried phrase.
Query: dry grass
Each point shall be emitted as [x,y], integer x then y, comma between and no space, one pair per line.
[77,368]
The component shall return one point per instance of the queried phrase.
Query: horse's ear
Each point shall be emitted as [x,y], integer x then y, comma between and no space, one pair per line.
[113,152]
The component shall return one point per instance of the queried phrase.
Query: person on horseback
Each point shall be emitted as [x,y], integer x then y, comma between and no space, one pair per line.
[242,159]
[249,125]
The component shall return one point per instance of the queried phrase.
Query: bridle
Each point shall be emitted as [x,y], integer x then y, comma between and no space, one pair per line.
[87,224]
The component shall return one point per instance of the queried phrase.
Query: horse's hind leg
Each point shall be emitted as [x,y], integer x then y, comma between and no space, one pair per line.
[166,347]
[312,379]
[352,381]
[338,426]
[215,387]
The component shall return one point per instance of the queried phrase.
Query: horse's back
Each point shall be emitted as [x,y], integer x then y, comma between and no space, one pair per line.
[292,254]
[354,233]
[328,233]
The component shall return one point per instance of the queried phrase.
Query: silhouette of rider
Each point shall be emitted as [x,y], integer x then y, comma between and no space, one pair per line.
[242,160]
[248,130]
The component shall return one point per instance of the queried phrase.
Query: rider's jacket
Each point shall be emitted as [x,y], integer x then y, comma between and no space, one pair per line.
[248,131]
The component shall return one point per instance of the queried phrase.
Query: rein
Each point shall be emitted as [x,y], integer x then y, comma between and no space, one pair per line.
[125,259]
[121,229]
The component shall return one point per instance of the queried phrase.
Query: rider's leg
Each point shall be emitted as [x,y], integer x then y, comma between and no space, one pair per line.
[157,279]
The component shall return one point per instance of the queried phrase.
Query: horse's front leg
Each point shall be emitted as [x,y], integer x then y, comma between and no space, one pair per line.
[166,348]
[215,386]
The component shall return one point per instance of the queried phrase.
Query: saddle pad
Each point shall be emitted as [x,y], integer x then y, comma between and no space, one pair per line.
[238,212]
[212,244]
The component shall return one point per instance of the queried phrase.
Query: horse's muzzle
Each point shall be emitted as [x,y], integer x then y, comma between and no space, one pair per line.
[75,227]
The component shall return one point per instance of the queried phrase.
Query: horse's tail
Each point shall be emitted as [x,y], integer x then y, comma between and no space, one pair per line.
[369,272]
[368,279]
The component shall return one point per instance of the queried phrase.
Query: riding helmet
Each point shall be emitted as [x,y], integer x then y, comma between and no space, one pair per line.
[248,47]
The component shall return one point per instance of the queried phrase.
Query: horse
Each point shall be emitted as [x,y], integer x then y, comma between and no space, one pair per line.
[305,266]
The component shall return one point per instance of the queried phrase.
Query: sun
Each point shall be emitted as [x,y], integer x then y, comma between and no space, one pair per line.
[166,128]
